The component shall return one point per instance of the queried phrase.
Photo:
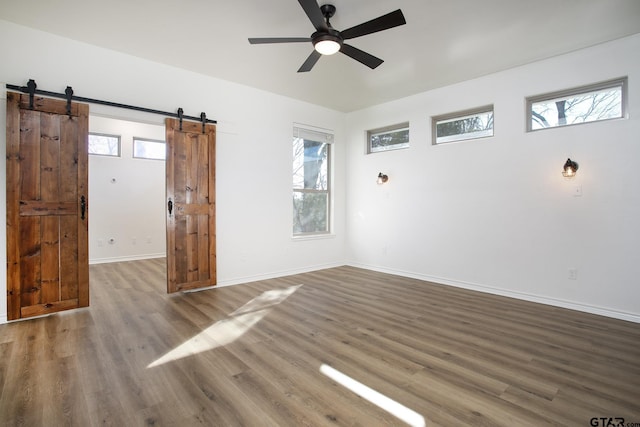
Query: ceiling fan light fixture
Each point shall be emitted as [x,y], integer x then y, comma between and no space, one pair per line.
[327,47]
[327,43]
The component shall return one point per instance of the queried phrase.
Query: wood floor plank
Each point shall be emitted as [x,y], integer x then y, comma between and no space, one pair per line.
[252,354]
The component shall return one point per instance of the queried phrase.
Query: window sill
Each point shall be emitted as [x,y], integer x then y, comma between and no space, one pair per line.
[313,237]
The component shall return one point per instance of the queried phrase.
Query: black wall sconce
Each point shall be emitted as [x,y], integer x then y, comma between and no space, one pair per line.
[569,169]
[382,178]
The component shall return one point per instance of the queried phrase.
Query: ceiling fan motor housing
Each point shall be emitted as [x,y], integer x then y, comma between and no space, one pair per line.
[331,35]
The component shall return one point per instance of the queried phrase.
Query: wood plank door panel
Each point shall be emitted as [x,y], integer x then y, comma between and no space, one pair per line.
[191,238]
[47,224]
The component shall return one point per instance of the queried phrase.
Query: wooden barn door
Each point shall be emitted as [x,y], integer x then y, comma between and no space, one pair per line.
[191,209]
[47,244]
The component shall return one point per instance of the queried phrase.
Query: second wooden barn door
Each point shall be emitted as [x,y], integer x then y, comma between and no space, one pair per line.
[191,209]
[47,243]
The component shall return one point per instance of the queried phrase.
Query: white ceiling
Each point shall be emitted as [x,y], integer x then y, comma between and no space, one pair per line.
[443,42]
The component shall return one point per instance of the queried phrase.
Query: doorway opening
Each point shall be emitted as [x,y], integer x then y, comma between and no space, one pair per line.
[127,195]
[127,192]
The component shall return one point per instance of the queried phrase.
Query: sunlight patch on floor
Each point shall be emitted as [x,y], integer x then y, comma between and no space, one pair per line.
[230,329]
[391,406]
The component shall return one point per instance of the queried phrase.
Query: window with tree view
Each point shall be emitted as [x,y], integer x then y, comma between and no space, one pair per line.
[104,145]
[586,104]
[149,149]
[311,181]
[388,138]
[469,124]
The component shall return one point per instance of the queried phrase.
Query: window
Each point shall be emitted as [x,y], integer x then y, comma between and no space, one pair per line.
[311,181]
[149,149]
[601,101]
[468,124]
[104,145]
[388,138]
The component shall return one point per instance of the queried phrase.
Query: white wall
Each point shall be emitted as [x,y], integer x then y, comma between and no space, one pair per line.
[492,214]
[495,214]
[253,146]
[126,196]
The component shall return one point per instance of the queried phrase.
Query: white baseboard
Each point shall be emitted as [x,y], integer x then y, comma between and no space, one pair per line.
[630,317]
[125,258]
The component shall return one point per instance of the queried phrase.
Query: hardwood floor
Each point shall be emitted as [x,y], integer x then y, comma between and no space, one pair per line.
[251,355]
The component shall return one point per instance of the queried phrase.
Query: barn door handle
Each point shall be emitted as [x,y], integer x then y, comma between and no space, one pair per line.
[170,206]
[83,206]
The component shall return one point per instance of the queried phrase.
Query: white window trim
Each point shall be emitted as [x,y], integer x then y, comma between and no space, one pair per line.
[312,132]
[387,129]
[310,236]
[158,141]
[118,137]
[460,115]
[621,82]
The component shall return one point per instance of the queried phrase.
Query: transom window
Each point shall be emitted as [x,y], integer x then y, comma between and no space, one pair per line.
[601,101]
[104,145]
[149,149]
[462,125]
[388,138]
[311,181]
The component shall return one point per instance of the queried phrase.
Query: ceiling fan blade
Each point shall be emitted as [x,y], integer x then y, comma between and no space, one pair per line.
[312,10]
[310,62]
[279,40]
[361,56]
[381,23]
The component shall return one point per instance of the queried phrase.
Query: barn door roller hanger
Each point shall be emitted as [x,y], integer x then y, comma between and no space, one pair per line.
[32,89]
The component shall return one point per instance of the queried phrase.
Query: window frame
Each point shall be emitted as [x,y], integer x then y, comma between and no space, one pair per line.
[459,115]
[298,132]
[387,130]
[158,141]
[621,82]
[118,137]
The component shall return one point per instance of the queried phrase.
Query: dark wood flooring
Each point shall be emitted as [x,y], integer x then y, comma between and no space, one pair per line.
[251,355]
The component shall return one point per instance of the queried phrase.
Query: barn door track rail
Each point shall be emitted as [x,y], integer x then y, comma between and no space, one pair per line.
[32,89]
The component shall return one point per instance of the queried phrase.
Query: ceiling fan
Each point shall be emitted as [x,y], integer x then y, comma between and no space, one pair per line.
[327,41]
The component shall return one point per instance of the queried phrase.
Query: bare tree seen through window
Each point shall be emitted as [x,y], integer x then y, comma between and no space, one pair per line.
[461,126]
[585,107]
[105,145]
[310,186]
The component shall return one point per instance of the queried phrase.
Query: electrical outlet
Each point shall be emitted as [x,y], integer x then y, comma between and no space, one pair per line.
[133,240]
[573,274]
[100,242]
